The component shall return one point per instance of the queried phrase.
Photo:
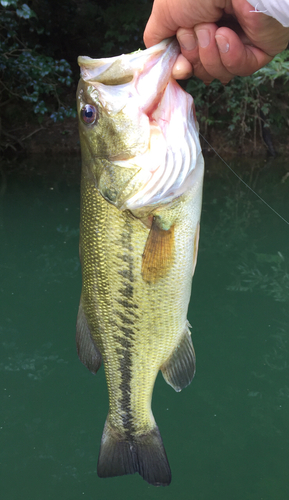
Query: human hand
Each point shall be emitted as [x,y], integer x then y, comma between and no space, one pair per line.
[218,38]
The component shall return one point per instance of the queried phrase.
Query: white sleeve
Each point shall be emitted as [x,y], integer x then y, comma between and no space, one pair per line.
[279,9]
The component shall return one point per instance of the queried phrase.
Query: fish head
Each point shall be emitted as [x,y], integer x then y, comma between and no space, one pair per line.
[133,123]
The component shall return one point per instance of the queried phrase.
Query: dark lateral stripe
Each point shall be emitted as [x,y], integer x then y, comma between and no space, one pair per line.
[128,305]
[124,340]
[127,290]
[126,258]
[125,363]
[127,274]
[124,318]
[128,331]
[125,343]
[126,236]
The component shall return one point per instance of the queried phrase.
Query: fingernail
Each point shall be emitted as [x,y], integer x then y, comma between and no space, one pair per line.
[187,41]
[222,43]
[203,38]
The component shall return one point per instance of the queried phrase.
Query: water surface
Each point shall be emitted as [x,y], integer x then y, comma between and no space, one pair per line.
[227,435]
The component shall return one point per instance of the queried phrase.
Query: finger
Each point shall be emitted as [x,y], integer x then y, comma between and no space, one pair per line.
[182,68]
[239,58]
[188,41]
[159,26]
[209,54]
[190,53]
[155,33]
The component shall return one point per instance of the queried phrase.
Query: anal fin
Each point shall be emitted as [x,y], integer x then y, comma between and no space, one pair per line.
[145,454]
[179,370]
[87,351]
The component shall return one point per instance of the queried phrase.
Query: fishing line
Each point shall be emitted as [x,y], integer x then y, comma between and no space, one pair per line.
[247,185]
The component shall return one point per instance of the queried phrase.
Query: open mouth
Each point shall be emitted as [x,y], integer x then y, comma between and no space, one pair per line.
[163,149]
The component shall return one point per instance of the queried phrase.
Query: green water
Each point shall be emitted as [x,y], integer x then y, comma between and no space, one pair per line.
[227,435]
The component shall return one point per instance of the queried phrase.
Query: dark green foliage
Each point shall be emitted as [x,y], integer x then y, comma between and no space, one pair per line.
[26,73]
[125,22]
[40,42]
[95,28]
[242,107]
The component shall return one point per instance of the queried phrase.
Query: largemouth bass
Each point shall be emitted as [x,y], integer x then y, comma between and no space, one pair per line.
[141,194]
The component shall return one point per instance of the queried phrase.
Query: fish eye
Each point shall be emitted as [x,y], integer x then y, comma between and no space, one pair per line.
[89,114]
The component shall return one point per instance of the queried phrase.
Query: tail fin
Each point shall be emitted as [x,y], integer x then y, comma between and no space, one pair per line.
[144,454]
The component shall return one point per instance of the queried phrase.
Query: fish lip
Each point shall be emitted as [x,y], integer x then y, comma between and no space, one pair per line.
[102,62]
[100,70]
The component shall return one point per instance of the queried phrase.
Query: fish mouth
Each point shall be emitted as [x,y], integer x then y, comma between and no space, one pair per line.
[140,77]
[144,73]
[123,69]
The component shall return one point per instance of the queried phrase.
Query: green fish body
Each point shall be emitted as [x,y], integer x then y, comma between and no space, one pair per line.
[141,194]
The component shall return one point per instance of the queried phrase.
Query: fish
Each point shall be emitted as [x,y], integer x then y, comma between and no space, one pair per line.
[141,197]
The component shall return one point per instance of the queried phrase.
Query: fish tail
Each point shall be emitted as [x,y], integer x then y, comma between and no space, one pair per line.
[145,454]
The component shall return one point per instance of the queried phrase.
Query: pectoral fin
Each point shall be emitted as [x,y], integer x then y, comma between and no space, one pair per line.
[158,253]
[87,351]
[196,247]
[179,370]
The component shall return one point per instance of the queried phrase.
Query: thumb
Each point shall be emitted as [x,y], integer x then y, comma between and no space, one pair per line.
[159,26]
